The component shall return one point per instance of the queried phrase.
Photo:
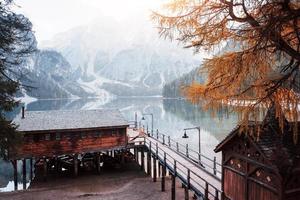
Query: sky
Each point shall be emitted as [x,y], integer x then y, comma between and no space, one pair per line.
[50,17]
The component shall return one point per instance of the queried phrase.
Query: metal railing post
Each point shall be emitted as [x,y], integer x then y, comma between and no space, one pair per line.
[163,139]
[189,179]
[135,120]
[187,150]
[199,158]
[169,141]
[156,133]
[217,195]
[147,130]
[175,168]
[177,146]
[206,191]
[215,165]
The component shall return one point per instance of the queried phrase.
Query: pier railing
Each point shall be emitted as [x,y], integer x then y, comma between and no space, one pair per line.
[189,177]
[210,165]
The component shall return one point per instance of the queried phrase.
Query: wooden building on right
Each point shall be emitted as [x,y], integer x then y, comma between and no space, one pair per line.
[263,164]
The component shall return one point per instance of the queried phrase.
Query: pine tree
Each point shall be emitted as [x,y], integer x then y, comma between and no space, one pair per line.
[16,43]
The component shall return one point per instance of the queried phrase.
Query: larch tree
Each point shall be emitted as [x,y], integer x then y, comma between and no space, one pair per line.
[260,71]
[16,43]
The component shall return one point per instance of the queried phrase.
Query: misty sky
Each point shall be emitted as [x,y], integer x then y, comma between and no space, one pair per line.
[50,17]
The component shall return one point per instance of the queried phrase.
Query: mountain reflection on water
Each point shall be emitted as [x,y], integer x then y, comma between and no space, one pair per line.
[171,116]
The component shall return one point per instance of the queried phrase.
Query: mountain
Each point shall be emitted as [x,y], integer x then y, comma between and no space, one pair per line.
[123,59]
[174,88]
[49,75]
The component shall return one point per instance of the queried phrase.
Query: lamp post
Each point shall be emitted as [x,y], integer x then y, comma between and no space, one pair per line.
[143,118]
[186,136]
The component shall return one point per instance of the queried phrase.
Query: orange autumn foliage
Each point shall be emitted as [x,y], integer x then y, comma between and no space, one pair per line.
[260,71]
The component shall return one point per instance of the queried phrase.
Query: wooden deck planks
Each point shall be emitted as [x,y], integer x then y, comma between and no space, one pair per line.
[188,164]
[182,164]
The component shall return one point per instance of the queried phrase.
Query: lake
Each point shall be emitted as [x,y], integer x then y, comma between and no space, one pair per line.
[171,116]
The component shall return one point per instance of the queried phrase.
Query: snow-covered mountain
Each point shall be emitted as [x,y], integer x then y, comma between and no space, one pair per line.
[50,75]
[124,59]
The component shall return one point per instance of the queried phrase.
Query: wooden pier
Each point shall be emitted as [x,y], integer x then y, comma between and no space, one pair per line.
[162,157]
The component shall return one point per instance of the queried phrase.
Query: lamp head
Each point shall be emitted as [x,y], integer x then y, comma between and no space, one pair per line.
[143,118]
[185,135]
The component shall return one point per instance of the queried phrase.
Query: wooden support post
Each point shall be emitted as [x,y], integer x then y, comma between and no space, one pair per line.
[24,174]
[31,169]
[57,166]
[98,161]
[186,193]
[174,180]
[75,162]
[137,155]
[45,169]
[149,163]
[163,181]
[123,153]
[163,177]
[15,166]
[142,159]
[154,168]
[159,169]
[173,187]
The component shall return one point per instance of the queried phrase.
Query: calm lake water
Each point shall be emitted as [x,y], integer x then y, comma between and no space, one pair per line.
[171,116]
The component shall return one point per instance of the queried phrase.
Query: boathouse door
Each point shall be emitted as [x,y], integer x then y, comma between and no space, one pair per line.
[241,187]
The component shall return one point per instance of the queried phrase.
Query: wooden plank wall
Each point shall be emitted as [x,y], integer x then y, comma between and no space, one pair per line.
[234,185]
[35,145]
[257,191]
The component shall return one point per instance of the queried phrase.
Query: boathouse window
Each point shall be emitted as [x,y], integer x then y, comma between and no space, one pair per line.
[36,138]
[28,138]
[47,137]
[114,133]
[83,135]
[57,136]
[67,135]
[96,134]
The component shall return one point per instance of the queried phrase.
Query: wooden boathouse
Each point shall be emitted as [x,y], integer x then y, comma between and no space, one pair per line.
[262,166]
[48,136]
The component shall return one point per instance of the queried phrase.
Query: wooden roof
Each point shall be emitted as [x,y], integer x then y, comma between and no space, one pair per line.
[35,121]
[276,146]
